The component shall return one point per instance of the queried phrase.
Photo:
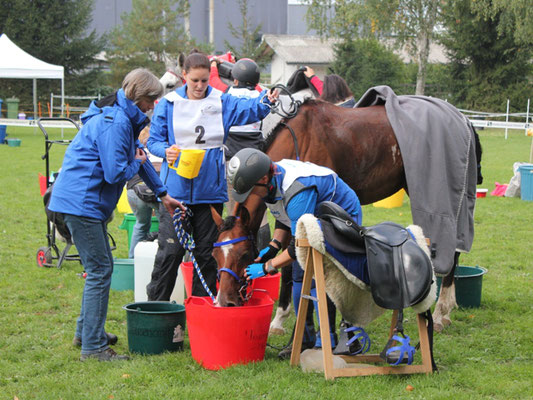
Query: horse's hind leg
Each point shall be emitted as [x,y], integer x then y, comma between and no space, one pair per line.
[284,304]
[447,301]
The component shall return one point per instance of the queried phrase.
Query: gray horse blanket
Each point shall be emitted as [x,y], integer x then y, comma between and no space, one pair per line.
[438,151]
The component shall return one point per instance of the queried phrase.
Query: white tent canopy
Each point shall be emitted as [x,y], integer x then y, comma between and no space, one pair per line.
[17,64]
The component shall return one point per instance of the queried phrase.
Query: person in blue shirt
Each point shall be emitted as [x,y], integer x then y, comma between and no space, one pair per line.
[104,154]
[290,189]
[195,116]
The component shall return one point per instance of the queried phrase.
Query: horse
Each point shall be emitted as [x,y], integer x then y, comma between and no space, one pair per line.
[361,147]
[172,78]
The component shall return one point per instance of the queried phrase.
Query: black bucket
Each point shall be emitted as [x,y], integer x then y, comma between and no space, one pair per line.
[155,326]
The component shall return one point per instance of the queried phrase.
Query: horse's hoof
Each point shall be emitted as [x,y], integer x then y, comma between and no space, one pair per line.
[276,331]
[446,321]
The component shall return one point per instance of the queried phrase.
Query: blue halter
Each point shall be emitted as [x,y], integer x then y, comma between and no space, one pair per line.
[231,241]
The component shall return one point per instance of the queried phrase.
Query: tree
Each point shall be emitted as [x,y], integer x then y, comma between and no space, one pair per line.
[364,63]
[488,65]
[410,23]
[251,47]
[150,36]
[54,31]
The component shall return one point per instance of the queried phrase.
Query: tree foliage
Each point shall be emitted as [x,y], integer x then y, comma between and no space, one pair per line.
[410,23]
[250,38]
[150,36]
[488,66]
[364,63]
[54,31]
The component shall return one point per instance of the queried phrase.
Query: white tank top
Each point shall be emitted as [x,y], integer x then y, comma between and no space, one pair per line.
[249,94]
[197,123]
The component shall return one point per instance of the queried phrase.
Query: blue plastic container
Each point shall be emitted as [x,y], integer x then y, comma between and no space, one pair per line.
[526,182]
[3,134]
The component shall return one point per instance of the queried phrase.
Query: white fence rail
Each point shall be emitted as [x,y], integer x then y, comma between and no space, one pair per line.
[482,119]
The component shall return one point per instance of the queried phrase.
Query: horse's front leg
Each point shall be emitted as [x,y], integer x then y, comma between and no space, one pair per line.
[284,303]
[447,301]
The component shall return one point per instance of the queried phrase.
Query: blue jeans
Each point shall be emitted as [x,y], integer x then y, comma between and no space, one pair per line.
[90,237]
[143,215]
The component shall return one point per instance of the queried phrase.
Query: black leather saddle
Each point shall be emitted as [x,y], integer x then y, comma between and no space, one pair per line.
[400,272]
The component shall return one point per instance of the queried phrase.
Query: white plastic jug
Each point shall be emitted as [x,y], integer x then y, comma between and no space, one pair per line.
[143,265]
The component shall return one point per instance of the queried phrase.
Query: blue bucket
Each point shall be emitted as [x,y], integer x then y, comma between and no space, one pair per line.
[526,182]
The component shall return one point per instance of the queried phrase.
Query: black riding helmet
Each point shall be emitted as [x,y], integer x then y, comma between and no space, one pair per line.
[246,72]
[245,169]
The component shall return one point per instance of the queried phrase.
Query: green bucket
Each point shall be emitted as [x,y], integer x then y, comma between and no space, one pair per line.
[129,222]
[123,272]
[468,283]
[155,326]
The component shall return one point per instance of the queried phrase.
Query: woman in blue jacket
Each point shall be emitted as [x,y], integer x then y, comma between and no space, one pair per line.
[195,116]
[104,154]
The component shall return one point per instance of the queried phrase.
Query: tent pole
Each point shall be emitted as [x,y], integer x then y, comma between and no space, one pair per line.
[34,98]
[62,96]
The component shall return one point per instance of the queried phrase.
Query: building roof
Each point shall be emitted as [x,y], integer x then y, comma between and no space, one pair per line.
[301,49]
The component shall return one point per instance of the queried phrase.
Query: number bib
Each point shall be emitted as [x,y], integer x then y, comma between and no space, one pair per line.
[197,123]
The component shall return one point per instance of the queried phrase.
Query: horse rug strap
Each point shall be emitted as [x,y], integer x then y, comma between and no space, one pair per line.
[400,272]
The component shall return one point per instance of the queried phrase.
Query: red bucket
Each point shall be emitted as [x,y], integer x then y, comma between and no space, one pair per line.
[187,269]
[270,283]
[186,272]
[222,336]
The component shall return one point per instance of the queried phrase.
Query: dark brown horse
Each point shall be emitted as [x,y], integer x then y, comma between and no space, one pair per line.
[360,145]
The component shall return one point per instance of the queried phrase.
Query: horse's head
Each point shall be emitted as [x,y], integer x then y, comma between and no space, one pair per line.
[233,251]
[173,78]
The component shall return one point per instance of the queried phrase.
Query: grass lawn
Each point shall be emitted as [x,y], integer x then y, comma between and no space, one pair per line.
[486,353]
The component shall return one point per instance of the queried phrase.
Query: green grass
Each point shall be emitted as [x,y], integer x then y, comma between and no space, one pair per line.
[486,353]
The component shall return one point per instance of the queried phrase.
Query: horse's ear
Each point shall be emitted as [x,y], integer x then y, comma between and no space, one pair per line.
[216,216]
[245,216]
[181,60]
[236,209]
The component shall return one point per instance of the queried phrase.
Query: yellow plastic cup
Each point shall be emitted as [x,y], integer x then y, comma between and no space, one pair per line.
[189,164]
[396,200]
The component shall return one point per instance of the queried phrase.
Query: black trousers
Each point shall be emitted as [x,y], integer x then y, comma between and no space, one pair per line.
[170,253]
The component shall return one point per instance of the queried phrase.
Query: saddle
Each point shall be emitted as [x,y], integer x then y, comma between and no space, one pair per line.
[400,272]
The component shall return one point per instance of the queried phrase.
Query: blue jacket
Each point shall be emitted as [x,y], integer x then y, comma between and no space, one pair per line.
[319,189]
[210,185]
[101,158]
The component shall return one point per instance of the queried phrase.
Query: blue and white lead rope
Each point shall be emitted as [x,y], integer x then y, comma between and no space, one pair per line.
[187,242]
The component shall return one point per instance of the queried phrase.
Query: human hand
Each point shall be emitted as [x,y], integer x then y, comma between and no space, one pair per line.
[273,96]
[268,253]
[309,72]
[140,155]
[171,204]
[172,153]
[254,271]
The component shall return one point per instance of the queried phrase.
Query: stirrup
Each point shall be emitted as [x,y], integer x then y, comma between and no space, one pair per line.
[360,337]
[402,354]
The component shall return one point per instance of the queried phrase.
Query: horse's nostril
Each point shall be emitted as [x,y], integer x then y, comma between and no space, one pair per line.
[230,305]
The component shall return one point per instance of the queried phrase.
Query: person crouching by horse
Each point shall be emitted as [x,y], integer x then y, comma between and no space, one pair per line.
[333,89]
[290,189]
[102,157]
[195,116]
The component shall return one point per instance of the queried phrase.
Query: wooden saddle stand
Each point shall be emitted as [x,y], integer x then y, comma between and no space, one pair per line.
[314,268]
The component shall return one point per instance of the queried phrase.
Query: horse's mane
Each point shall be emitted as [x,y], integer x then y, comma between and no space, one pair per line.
[272,136]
